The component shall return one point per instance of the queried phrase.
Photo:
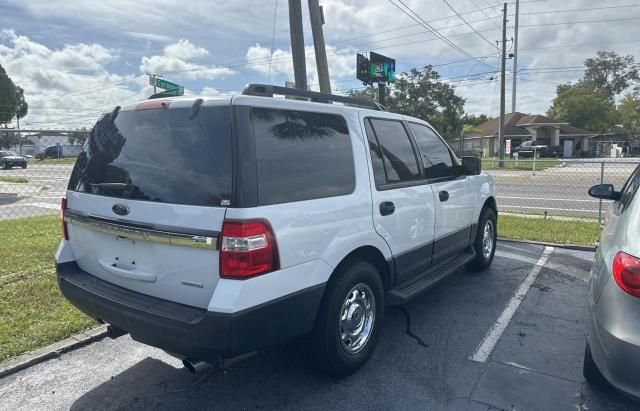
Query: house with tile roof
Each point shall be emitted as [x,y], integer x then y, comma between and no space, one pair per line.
[519,127]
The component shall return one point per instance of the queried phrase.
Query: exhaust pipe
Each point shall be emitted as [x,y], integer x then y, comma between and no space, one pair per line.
[194,366]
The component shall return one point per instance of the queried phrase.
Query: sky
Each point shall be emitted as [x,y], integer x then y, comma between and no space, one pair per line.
[77,59]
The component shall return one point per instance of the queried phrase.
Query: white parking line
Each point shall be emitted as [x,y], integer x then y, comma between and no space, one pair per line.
[495,332]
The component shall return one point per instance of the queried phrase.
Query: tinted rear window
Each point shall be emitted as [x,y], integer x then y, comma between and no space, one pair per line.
[159,155]
[301,155]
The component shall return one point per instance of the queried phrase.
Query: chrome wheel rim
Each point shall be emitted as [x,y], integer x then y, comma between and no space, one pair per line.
[487,239]
[357,317]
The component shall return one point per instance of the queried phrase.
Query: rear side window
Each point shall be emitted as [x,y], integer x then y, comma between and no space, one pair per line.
[159,155]
[301,155]
[376,156]
[399,159]
[435,154]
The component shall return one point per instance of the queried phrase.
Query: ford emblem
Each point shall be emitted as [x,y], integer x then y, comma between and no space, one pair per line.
[120,209]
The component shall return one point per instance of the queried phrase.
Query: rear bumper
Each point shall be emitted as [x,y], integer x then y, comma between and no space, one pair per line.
[614,339]
[190,331]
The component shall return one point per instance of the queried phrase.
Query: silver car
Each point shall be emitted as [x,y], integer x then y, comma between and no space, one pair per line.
[612,352]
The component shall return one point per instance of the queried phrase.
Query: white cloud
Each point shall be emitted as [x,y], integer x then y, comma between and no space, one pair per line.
[149,36]
[237,31]
[67,87]
[341,64]
[213,92]
[177,59]
[184,50]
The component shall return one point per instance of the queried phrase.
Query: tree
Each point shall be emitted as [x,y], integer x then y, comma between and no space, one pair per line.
[629,114]
[584,107]
[22,107]
[78,137]
[421,94]
[474,120]
[8,138]
[610,72]
[8,102]
[368,93]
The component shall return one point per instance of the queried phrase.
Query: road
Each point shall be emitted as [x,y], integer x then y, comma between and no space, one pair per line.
[560,191]
[47,184]
[422,360]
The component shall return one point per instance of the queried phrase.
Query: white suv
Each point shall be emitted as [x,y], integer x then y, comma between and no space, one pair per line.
[214,227]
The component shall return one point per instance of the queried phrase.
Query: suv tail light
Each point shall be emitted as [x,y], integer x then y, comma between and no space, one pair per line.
[248,248]
[63,207]
[626,272]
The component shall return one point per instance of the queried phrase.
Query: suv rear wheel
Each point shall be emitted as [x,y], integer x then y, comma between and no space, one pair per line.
[348,322]
[485,243]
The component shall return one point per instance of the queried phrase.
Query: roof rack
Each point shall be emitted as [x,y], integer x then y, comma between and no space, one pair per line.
[265,90]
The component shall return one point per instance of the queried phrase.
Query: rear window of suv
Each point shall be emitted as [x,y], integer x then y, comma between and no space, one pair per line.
[301,155]
[159,155]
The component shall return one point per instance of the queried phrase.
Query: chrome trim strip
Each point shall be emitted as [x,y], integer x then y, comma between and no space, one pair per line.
[143,234]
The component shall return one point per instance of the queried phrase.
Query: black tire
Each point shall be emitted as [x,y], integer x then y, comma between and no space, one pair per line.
[6,166]
[483,259]
[590,371]
[327,347]
[24,166]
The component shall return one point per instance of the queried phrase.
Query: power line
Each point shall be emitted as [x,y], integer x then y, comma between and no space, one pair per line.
[398,28]
[467,23]
[581,22]
[583,9]
[427,26]
[485,14]
[273,39]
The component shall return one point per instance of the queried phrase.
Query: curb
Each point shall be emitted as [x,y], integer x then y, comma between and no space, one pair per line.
[567,246]
[52,351]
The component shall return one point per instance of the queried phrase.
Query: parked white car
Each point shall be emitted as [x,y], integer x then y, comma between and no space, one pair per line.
[213,227]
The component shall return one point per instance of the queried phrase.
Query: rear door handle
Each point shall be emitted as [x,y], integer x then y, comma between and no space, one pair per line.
[444,196]
[387,208]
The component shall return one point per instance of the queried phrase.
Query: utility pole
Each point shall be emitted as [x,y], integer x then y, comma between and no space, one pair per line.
[502,88]
[297,44]
[317,20]
[152,81]
[19,133]
[382,87]
[515,60]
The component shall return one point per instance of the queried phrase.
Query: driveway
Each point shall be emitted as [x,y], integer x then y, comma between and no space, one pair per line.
[423,360]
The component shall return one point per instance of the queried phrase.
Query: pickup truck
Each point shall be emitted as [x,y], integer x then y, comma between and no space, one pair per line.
[528,148]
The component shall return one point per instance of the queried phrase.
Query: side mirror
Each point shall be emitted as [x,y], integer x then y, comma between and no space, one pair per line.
[471,166]
[604,192]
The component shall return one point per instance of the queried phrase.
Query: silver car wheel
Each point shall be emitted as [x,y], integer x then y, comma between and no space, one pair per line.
[357,318]
[487,239]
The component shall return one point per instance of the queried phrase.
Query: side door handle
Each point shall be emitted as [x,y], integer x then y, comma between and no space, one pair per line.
[444,195]
[387,208]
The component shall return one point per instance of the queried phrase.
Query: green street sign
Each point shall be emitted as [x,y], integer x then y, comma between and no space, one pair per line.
[167,85]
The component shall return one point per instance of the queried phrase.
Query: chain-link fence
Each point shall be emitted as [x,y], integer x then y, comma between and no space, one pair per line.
[32,184]
[34,174]
[556,187]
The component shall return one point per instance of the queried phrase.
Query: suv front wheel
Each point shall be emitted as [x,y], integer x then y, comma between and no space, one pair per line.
[349,319]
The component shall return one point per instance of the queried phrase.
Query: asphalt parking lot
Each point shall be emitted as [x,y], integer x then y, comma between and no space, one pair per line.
[423,360]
